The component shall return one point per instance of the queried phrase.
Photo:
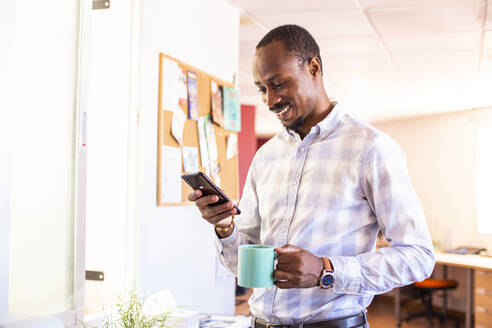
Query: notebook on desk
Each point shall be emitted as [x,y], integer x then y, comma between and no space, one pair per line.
[463,250]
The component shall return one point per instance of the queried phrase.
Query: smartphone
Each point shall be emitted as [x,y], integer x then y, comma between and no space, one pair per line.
[199,181]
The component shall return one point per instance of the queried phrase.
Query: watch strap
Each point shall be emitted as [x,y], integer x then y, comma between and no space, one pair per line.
[327,266]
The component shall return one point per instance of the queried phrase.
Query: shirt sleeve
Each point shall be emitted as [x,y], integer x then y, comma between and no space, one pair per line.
[247,225]
[389,192]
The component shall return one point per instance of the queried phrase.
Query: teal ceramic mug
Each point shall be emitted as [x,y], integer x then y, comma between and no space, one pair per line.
[255,266]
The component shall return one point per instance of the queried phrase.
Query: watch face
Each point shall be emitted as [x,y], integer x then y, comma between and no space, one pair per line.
[327,280]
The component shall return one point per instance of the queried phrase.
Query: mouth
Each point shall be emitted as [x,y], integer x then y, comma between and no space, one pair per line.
[282,111]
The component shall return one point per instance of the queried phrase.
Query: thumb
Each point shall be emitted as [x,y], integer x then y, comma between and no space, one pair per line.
[194,195]
[287,249]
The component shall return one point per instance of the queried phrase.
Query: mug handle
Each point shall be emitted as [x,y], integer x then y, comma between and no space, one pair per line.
[275,255]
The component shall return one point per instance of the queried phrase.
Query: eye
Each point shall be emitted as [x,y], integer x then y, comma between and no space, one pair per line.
[277,85]
[261,90]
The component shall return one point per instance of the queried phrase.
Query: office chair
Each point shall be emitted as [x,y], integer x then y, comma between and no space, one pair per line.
[424,290]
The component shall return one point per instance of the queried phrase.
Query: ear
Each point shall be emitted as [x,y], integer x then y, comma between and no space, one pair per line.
[315,67]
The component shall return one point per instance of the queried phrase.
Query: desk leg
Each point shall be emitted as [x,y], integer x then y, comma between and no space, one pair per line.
[469,297]
[397,304]
[445,293]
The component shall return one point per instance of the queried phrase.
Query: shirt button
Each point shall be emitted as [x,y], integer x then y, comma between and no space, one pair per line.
[302,150]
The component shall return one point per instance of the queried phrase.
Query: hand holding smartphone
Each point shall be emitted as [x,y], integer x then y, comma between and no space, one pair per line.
[199,181]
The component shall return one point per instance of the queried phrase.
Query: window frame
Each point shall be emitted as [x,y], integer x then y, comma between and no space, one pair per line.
[73,317]
[482,130]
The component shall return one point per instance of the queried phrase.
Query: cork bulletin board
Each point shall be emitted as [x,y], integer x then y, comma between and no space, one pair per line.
[229,175]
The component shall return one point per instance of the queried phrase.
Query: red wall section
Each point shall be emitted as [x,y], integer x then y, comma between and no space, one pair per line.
[261,140]
[247,143]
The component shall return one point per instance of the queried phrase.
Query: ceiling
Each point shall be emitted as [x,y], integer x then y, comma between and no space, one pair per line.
[382,59]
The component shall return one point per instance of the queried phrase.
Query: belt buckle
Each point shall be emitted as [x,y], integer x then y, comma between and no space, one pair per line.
[273,325]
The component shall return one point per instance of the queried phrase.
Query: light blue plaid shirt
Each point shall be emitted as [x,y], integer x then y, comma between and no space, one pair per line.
[330,194]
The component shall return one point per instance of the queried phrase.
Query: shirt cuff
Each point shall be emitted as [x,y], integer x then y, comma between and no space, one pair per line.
[347,273]
[225,242]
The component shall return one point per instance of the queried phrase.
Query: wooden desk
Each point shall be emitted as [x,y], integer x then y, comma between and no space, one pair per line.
[474,265]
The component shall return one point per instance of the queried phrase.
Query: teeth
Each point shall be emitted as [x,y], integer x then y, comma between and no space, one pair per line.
[283,111]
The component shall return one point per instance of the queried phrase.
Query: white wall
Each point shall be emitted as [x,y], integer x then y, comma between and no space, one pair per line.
[7,14]
[441,160]
[177,251]
[42,151]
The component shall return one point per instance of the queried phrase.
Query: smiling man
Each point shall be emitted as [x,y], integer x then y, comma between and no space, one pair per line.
[320,191]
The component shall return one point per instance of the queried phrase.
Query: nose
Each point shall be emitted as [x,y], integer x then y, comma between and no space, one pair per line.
[271,99]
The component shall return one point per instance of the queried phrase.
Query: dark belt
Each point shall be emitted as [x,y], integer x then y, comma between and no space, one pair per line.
[351,321]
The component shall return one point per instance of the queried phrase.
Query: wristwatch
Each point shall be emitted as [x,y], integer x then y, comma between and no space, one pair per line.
[327,278]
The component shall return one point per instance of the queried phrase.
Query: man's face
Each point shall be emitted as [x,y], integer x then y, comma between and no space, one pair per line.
[286,85]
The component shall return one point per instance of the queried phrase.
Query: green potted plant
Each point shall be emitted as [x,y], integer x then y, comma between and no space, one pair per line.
[128,313]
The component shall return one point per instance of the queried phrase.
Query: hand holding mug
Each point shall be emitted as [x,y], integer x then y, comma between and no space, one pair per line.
[297,268]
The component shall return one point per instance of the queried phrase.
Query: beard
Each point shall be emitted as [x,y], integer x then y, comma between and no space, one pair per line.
[297,123]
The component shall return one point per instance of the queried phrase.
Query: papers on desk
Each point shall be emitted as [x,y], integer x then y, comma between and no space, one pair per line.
[220,321]
[162,302]
[486,254]
[466,250]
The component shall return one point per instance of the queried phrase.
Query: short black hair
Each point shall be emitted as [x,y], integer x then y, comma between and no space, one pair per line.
[296,39]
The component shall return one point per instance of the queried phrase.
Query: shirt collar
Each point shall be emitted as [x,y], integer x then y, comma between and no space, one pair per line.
[324,127]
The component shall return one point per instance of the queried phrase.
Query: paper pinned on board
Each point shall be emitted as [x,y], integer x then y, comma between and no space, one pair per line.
[192,96]
[232,109]
[171,85]
[177,125]
[216,103]
[182,87]
[190,159]
[231,148]
[202,138]
[213,154]
[170,174]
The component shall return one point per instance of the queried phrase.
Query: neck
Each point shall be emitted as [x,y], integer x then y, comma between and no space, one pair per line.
[321,110]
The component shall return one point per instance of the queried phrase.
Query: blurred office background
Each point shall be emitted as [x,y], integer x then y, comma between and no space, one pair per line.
[78,132]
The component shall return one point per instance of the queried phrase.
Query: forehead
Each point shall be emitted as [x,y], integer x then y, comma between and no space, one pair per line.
[272,60]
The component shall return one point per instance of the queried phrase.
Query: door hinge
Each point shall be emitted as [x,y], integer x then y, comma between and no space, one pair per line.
[100,4]
[94,275]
